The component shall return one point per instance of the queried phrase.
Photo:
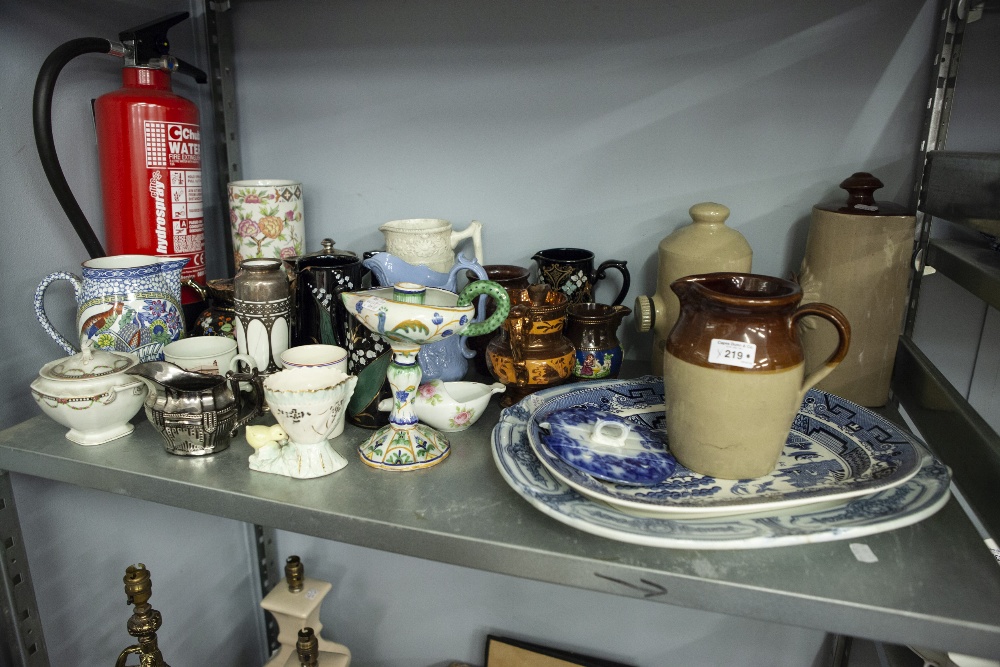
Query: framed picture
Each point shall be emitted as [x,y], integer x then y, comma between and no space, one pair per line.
[508,652]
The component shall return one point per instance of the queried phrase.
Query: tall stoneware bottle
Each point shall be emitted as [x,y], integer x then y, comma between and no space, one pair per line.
[858,260]
[704,246]
[263,305]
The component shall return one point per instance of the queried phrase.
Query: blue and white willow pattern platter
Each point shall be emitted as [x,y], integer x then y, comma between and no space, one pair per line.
[634,454]
[914,500]
[835,450]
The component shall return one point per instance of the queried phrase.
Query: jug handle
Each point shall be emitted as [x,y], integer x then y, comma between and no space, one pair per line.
[256,391]
[517,322]
[43,319]
[475,231]
[620,266]
[843,327]
[193,284]
[492,289]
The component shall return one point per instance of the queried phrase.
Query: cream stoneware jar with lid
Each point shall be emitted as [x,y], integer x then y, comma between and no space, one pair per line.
[706,245]
[89,393]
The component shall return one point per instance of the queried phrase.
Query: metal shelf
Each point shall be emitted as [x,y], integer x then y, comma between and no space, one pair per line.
[975,268]
[957,433]
[935,584]
[963,188]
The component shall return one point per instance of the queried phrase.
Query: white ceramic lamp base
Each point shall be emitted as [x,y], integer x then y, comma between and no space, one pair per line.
[294,611]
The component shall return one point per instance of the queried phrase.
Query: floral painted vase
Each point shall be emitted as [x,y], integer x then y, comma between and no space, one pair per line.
[266,219]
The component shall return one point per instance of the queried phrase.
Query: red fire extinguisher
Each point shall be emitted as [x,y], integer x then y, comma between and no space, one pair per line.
[149,143]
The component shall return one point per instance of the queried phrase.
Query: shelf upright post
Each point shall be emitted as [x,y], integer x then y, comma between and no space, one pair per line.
[954,16]
[219,25]
[22,627]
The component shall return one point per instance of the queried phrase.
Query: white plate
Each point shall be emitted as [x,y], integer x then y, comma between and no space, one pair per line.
[835,450]
[920,497]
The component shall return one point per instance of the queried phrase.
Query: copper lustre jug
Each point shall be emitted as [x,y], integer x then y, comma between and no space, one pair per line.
[531,353]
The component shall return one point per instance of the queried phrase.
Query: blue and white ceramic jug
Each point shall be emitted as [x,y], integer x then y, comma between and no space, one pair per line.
[126,303]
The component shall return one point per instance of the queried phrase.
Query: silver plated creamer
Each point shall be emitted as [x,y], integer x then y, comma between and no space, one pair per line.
[197,413]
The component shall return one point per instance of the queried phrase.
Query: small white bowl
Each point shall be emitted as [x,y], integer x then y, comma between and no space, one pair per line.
[90,395]
[453,406]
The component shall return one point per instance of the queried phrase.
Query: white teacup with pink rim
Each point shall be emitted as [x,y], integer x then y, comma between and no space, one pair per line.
[315,356]
[215,355]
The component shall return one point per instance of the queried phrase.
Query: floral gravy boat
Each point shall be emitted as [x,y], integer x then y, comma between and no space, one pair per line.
[451,406]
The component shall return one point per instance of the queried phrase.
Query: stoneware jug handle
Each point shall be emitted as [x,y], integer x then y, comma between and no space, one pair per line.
[43,319]
[475,231]
[619,266]
[249,408]
[492,289]
[843,327]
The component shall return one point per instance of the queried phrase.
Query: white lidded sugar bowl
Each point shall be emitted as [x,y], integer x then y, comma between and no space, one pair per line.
[89,393]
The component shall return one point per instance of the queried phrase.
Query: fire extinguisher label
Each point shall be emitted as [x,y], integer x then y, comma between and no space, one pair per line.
[173,161]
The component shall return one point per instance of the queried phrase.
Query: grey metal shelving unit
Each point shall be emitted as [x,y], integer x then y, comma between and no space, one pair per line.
[934,584]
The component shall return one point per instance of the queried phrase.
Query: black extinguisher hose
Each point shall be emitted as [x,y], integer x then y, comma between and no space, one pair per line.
[42,118]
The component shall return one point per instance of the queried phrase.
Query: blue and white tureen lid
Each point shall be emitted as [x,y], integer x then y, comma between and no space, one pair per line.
[608,446]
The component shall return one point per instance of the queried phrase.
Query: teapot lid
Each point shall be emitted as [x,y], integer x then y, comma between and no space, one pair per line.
[327,251]
[89,364]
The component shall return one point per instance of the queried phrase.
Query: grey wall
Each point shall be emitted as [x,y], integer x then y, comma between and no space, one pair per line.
[554,123]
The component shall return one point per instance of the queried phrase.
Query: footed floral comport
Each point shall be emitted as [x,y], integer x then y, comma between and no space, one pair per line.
[408,315]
